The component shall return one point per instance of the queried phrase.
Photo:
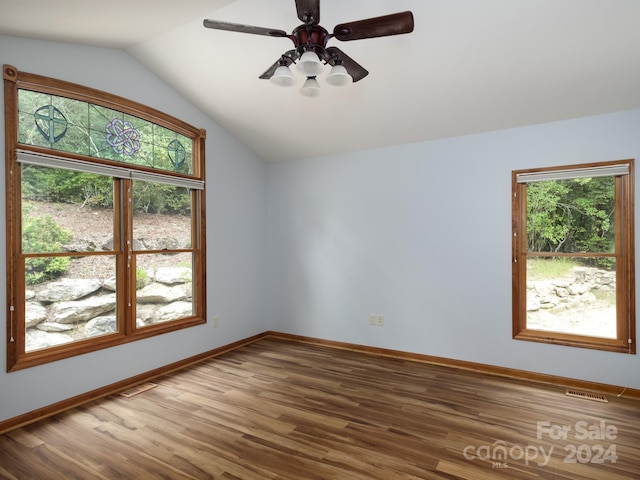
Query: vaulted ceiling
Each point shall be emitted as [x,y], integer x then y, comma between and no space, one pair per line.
[469,66]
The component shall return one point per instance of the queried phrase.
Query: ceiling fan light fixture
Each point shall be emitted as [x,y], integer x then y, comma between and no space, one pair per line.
[338,76]
[283,77]
[311,87]
[310,52]
[310,64]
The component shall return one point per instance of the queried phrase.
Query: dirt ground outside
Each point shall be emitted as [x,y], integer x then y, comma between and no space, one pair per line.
[598,319]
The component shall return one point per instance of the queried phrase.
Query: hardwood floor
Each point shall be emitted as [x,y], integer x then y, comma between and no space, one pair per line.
[277,409]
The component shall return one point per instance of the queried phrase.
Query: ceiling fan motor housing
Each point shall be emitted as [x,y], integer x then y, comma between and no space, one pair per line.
[310,37]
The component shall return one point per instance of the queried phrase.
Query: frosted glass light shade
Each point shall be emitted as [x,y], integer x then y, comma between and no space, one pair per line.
[283,77]
[311,87]
[310,64]
[339,77]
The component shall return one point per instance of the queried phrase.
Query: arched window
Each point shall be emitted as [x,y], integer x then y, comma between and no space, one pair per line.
[105,220]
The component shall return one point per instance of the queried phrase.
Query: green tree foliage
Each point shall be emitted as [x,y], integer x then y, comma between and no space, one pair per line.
[44,235]
[64,186]
[548,222]
[160,198]
[54,185]
[575,215]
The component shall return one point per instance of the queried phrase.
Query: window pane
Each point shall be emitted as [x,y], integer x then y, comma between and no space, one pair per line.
[65,211]
[161,216]
[164,287]
[77,305]
[74,126]
[569,216]
[68,298]
[572,295]
[164,281]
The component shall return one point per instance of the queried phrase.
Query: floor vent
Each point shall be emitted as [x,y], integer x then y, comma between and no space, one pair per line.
[137,390]
[596,397]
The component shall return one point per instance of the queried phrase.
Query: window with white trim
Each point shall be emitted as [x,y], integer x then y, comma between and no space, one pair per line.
[573,256]
[105,220]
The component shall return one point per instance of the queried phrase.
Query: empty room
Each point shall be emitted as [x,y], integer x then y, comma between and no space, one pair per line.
[293,239]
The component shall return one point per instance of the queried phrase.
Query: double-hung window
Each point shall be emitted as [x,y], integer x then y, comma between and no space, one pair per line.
[573,256]
[105,220]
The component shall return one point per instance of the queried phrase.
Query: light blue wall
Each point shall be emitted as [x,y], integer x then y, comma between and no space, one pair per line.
[236,198]
[421,233]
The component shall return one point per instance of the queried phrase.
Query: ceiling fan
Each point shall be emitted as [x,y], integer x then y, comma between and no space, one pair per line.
[311,53]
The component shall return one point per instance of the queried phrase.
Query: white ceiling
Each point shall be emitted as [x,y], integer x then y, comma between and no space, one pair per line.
[469,66]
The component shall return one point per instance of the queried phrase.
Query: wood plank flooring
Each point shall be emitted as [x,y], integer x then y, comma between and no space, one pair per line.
[277,409]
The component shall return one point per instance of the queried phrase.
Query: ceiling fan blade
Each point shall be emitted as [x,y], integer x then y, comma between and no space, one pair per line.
[237,27]
[394,24]
[286,59]
[308,11]
[357,71]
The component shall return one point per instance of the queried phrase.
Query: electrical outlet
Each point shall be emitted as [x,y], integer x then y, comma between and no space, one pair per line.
[215,321]
[376,320]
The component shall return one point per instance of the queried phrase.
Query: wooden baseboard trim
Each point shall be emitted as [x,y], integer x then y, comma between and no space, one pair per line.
[50,410]
[563,382]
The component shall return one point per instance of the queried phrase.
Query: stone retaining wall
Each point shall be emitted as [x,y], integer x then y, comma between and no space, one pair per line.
[565,293]
[72,309]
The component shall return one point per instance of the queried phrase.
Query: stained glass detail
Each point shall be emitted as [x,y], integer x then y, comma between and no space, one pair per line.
[69,125]
[51,123]
[177,154]
[122,136]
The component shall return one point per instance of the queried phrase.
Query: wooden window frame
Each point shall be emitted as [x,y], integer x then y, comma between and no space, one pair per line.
[625,270]
[17,357]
